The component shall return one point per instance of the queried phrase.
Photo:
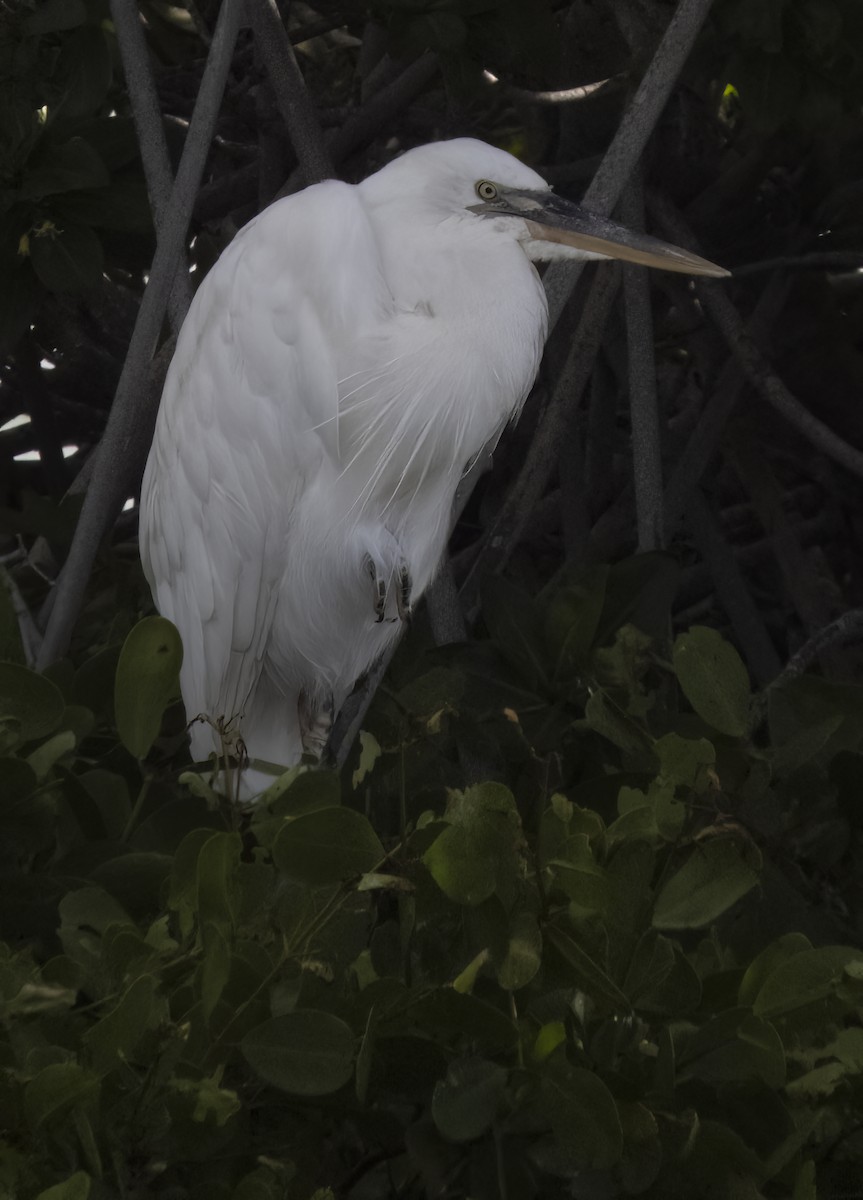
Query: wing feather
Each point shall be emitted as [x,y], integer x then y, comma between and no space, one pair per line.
[248,421]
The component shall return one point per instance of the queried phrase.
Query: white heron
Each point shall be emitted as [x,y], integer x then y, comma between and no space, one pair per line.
[349,354]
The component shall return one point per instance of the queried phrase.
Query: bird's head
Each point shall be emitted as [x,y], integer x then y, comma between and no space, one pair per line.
[470,179]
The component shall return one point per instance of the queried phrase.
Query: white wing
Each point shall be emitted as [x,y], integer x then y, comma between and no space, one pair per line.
[248,419]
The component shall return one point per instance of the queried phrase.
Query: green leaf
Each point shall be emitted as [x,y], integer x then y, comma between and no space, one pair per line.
[147,681]
[685,761]
[465,1104]
[550,1036]
[606,718]
[735,1047]
[572,619]
[84,72]
[70,167]
[765,963]
[370,752]
[639,591]
[32,701]
[115,1036]
[365,1056]
[523,953]
[68,259]
[584,1118]
[804,978]
[76,1187]
[55,1090]
[588,974]
[122,206]
[715,876]
[714,679]
[462,865]
[308,1053]
[216,870]
[515,622]
[477,854]
[49,753]
[54,15]
[327,846]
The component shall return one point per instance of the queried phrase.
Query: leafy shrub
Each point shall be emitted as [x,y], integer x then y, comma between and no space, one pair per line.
[586,982]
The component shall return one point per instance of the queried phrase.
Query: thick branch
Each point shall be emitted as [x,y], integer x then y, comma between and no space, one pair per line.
[123,431]
[147,116]
[845,629]
[632,136]
[292,97]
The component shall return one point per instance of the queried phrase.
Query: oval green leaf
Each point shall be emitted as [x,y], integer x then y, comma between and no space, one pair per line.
[307,1053]
[714,679]
[32,701]
[147,680]
[714,877]
[465,1104]
[583,1117]
[327,846]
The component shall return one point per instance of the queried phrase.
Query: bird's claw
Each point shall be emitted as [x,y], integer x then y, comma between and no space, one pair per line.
[316,723]
[380,590]
[403,594]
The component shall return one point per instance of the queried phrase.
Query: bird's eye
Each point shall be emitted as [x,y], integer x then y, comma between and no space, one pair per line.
[486,190]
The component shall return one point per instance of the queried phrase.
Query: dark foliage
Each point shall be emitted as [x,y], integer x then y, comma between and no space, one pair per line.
[580,914]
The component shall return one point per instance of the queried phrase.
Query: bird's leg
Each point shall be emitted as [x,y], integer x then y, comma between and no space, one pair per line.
[316,722]
[379,588]
[403,594]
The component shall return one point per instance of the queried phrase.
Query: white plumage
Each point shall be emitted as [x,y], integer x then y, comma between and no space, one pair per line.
[350,352]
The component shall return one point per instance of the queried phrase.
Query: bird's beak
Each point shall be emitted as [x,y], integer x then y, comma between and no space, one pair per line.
[550,218]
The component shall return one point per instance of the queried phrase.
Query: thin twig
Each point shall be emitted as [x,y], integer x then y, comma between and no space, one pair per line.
[292,97]
[827,260]
[560,96]
[755,366]
[845,629]
[147,116]
[123,429]
[704,440]
[643,401]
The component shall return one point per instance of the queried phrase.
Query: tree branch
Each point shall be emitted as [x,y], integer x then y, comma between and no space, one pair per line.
[755,366]
[632,136]
[147,116]
[123,430]
[292,97]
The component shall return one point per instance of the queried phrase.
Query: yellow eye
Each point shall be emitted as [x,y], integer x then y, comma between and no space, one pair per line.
[486,190]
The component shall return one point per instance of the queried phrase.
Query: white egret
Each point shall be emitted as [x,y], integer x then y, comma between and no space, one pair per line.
[349,354]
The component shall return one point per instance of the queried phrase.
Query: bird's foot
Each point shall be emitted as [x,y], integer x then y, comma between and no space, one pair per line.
[379,588]
[316,723]
[404,593]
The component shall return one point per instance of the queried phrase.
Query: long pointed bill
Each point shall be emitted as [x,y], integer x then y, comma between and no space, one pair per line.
[550,218]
